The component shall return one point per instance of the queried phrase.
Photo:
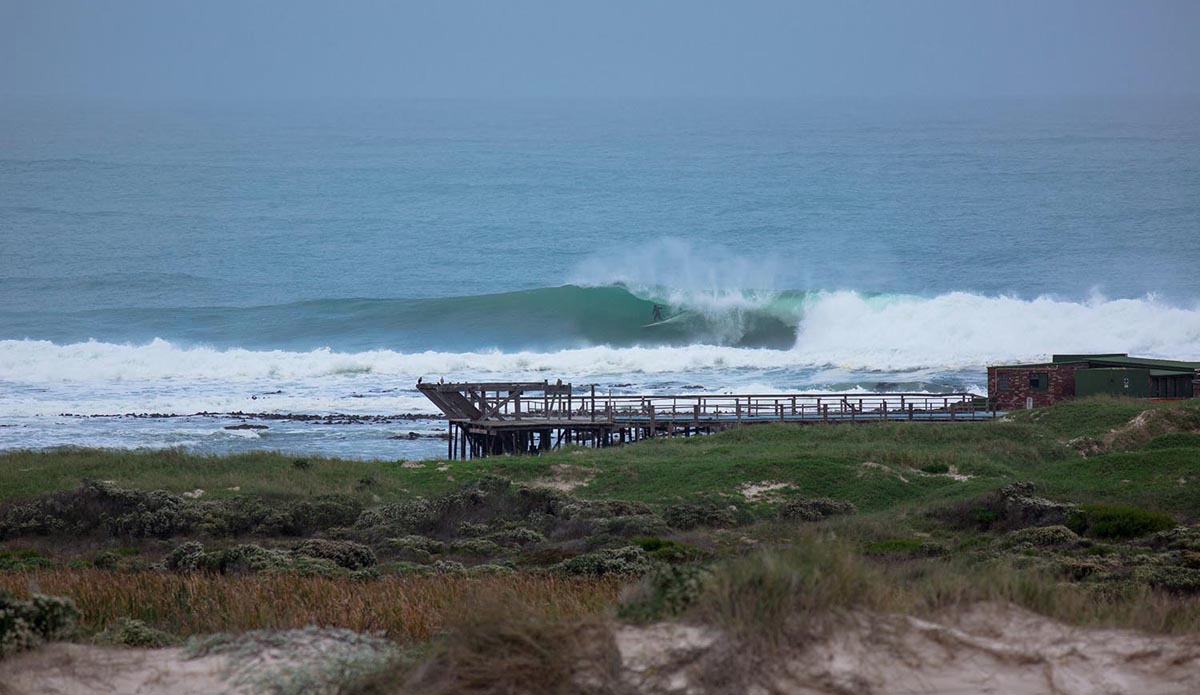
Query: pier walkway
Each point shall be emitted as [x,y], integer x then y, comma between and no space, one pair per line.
[488,418]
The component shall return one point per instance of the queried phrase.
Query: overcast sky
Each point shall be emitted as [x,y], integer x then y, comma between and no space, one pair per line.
[636,48]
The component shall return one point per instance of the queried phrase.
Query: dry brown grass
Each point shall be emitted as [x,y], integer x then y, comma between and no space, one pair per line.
[404,608]
[502,646]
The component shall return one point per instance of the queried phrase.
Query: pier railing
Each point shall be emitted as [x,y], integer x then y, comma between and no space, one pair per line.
[514,418]
[562,403]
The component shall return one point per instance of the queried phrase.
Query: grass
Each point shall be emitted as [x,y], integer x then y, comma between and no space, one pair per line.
[406,609]
[765,595]
[813,460]
[894,556]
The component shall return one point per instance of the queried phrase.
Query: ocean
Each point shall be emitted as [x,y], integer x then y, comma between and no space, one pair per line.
[169,270]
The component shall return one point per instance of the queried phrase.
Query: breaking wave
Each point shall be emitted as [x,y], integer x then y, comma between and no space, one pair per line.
[845,330]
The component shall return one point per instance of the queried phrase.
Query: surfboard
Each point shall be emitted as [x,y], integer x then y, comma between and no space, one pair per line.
[669,319]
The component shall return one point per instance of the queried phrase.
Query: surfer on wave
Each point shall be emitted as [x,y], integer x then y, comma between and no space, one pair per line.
[657,314]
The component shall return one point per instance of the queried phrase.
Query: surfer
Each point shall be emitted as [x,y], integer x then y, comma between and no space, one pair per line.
[657,314]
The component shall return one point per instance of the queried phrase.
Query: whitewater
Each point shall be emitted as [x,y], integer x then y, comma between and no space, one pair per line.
[167,273]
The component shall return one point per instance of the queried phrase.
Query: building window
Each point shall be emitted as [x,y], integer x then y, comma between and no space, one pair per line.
[1003,382]
[1038,381]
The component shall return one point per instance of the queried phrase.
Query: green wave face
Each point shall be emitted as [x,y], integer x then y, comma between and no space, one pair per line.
[618,316]
[547,318]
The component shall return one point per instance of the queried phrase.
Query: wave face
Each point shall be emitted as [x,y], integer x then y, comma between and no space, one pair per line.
[551,317]
[837,340]
[543,328]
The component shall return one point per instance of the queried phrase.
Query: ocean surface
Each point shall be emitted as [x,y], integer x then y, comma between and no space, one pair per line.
[215,264]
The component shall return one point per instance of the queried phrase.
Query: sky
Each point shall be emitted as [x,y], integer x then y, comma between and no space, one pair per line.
[146,49]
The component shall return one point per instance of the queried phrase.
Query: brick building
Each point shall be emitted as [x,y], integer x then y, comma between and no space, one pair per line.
[1016,386]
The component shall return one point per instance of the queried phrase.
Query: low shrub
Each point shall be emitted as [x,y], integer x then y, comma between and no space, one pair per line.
[449,567]
[690,515]
[476,547]
[469,529]
[1012,507]
[814,509]
[1044,536]
[1181,580]
[98,506]
[347,554]
[664,592]
[249,559]
[1118,522]
[518,535]
[26,624]
[135,633]
[668,550]
[489,570]
[22,559]
[632,525]
[415,548]
[626,561]
[1178,538]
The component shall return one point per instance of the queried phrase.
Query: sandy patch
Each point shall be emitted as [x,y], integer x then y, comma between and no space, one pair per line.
[75,669]
[312,661]
[412,464]
[565,477]
[903,474]
[953,474]
[1140,429]
[762,490]
[989,649]
[872,466]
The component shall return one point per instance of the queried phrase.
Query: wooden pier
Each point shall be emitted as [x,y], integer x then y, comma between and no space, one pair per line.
[532,417]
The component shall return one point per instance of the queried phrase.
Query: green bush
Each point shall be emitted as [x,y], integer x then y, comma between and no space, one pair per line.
[98,506]
[936,468]
[1044,536]
[518,535]
[627,561]
[814,509]
[449,567]
[26,624]
[489,570]
[1182,580]
[632,525]
[690,515]
[1118,522]
[249,559]
[668,550]
[666,591]
[135,633]
[22,559]
[415,548]
[476,547]
[347,554]
[1012,507]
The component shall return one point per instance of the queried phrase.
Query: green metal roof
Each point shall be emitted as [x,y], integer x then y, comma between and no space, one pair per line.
[1167,367]
[1174,365]
[1085,358]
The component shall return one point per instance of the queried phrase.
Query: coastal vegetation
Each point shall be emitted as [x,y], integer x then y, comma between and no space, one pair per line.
[510,568]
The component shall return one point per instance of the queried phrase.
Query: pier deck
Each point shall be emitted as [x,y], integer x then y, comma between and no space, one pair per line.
[488,418]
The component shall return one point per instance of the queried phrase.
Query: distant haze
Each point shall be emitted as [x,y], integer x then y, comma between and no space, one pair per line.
[622,48]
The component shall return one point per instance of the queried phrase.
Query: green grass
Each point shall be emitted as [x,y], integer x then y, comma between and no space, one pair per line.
[1091,417]
[835,461]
